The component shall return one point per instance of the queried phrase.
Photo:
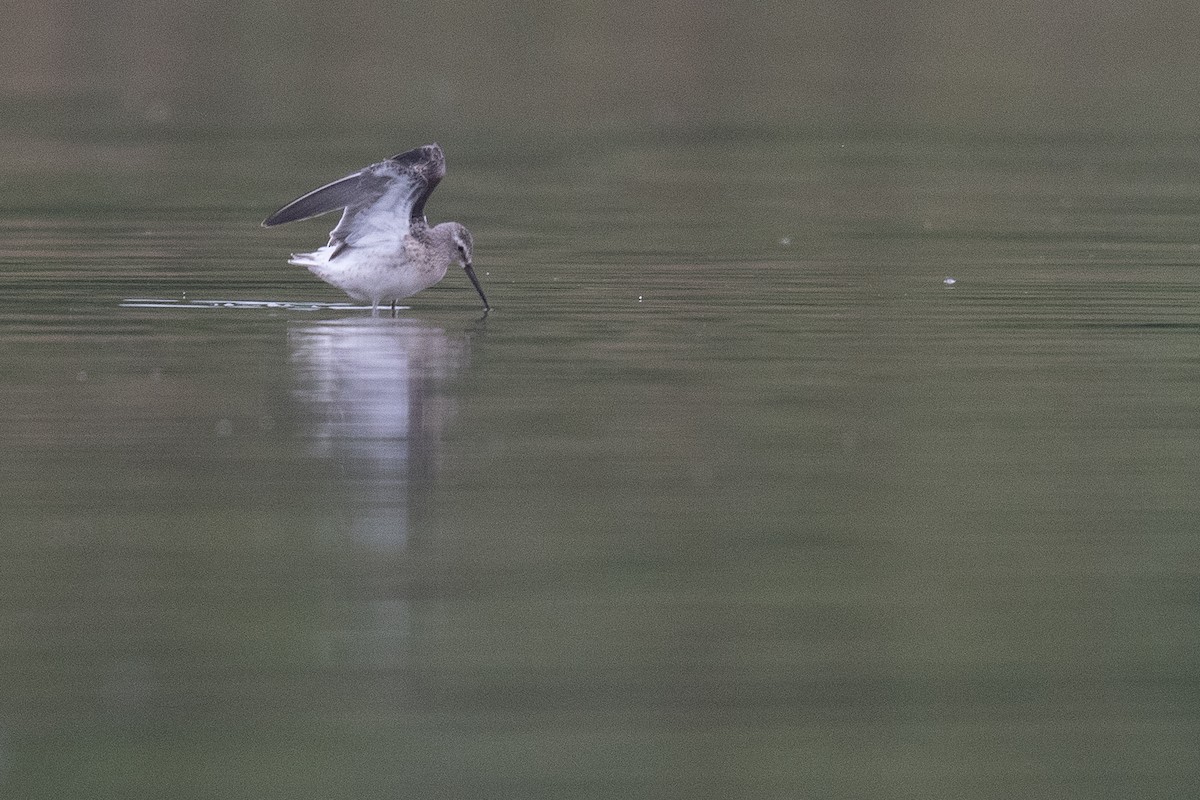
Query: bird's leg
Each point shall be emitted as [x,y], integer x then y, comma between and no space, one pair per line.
[374,308]
[393,309]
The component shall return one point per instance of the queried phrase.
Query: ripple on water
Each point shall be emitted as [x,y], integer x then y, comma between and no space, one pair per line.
[158,302]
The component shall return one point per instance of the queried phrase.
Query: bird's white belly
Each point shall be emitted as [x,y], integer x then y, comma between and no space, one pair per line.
[371,275]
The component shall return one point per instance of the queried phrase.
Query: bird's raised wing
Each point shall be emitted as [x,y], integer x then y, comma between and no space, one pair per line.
[381,202]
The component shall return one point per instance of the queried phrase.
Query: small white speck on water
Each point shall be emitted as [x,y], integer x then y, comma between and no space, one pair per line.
[785,241]
[81,376]
[224,427]
[949,281]
[639,298]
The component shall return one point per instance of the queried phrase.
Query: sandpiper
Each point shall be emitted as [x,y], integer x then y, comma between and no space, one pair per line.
[383,249]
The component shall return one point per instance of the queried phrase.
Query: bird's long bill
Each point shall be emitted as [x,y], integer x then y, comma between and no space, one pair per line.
[475,281]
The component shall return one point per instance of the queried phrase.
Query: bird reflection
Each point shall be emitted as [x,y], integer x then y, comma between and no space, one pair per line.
[371,392]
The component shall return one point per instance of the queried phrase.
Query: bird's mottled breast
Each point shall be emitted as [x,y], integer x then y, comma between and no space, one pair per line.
[413,248]
[418,253]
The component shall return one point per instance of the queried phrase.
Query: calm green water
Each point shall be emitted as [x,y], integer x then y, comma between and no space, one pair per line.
[732,496]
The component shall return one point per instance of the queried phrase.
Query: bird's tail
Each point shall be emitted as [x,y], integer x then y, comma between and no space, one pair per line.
[317,258]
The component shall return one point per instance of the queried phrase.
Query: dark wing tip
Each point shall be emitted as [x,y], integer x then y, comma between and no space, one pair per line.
[427,166]
[330,197]
[420,155]
[427,163]
[285,214]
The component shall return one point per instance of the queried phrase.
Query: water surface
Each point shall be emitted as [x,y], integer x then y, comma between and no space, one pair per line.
[732,496]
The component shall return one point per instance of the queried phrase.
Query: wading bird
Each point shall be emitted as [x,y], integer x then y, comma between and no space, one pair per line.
[383,249]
